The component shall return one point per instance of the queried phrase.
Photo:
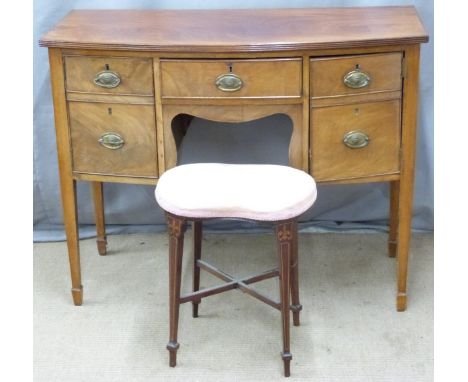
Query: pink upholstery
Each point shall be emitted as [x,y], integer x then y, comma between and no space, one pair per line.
[258,192]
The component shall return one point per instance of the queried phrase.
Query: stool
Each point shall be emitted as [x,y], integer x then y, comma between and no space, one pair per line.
[267,193]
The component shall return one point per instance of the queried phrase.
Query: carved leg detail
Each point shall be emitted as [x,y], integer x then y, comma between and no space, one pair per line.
[401,301]
[176,228]
[287,357]
[295,304]
[99,217]
[197,228]
[285,240]
[77,294]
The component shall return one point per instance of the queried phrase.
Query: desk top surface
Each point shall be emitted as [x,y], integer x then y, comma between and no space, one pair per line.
[237,30]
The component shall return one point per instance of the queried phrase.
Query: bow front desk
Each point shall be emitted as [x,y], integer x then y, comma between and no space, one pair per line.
[346,77]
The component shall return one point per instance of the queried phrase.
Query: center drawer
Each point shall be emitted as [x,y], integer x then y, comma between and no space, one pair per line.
[113,139]
[231,78]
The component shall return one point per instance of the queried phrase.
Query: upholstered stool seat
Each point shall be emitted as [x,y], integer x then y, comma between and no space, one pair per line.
[272,193]
[257,192]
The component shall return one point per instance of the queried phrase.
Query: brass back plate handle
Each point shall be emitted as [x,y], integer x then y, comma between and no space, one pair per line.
[107,79]
[229,82]
[112,141]
[356,139]
[356,79]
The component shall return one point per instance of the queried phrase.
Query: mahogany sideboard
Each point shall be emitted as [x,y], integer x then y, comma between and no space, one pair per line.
[346,77]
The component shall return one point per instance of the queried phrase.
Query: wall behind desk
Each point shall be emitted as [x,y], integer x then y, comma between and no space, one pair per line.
[131,208]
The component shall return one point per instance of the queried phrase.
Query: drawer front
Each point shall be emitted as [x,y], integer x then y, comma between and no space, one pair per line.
[109,75]
[113,139]
[237,78]
[355,74]
[355,140]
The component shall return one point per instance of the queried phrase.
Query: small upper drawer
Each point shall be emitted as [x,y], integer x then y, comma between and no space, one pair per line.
[109,75]
[334,76]
[232,78]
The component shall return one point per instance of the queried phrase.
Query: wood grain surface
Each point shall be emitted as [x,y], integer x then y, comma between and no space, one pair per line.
[260,78]
[327,74]
[237,30]
[134,123]
[136,74]
[332,159]
[291,61]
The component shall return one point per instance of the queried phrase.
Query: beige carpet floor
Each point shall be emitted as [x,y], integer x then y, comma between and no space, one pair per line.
[350,329]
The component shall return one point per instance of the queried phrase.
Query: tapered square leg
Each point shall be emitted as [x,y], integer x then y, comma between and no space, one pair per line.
[408,157]
[285,240]
[67,183]
[197,229]
[99,217]
[70,214]
[393,223]
[176,227]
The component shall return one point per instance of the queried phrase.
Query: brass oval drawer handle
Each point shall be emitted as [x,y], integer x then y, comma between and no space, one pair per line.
[356,79]
[111,141]
[107,79]
[229,82]
[356,139]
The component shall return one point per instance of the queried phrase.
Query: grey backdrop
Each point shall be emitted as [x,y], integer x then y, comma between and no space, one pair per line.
[131,208]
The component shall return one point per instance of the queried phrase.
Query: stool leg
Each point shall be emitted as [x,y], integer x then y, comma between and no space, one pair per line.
[296,305]
[197,242]
[176,227]
[284,235]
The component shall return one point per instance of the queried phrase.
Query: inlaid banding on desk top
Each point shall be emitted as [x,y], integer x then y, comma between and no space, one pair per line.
[239,30]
